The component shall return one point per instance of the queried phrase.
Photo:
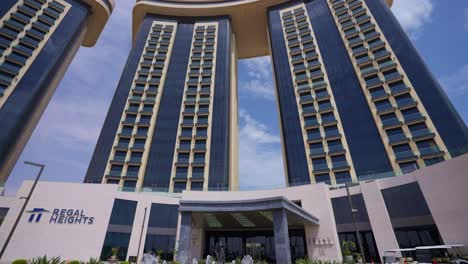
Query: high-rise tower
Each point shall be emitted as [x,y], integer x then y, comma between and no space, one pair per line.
[172,124]
[354,96]
[38,40]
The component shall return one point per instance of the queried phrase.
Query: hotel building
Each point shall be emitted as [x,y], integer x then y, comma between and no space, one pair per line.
[38,40]
[354,99]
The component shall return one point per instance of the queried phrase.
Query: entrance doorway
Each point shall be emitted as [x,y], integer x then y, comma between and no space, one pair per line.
[260,244]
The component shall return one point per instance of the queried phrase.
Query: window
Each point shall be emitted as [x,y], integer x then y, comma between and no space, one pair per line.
[342,177]
[132,171]
[112,181]
[142,131]
[201,132]
[332,131]
[139,143]
[198,172]
[179,187]
[433,161]
[123,142]
[199,158]
[408,167]
[116,168]
[129,185]
[186,132]
[136,156]
[319,163]
[181,172]
[183,158]
[197,186]
[325,178]
[185,144]
[120,155]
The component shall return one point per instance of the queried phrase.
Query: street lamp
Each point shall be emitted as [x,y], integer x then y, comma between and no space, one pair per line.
[41,168]
[353,214]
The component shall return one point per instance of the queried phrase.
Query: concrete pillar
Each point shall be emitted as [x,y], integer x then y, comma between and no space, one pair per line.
[280,227]
[185,238]
[378,217]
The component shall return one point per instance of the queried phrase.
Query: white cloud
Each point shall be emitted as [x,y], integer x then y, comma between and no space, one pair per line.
[456,84]
[260,157]
[413,14]
[260,80]
[258,88]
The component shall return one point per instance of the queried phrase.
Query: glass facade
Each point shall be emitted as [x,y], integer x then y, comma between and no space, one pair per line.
[119,229]
[260,245]
[161,233]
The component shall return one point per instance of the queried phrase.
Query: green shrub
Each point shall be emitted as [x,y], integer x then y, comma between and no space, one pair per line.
[20,261]
[45,260]
[124,262]
[94,261]
[74,262]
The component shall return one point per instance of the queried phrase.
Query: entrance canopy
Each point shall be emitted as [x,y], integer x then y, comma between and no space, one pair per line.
[241,214]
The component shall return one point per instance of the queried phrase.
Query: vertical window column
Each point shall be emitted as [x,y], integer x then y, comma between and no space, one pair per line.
[328,156]
[410,138]
[131,145]
[190,169]
[24,31]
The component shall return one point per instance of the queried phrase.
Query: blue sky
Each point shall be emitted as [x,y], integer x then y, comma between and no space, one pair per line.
[67,133]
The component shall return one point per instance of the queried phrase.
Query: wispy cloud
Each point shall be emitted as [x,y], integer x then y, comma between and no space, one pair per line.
[260,157]
[413,15]
[260,80]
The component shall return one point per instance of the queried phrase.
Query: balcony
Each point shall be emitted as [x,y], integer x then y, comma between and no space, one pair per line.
[134,160]
[200,161]
[358,11]
[373,82]
[201,135]
[381,54]
[397,139]
[382,109]
[414,117]
[335,149]
[200,147]
[314,137]
[377,95]
[138,147]
[405,155]
[187,123]
[317,152]
[149,100]
[303,87]
[135,99]
[347,24]
[328,120]
[132,110]
[311,123]
[306,99]
[362,19]
[325,107]
[313,64]
[406,103]
[391,122]
[125,134]
[322,95]
[368,71]
[430,151]
[367,27]
[376,44]
[355,42]
[332,134]
[147,110]
[363,60]
[340,165]
[422,134]
[318,85]
[351,33]
[118,160]
[321,167]
[122,146]
[114,174]
[359,51]
[399,89]
[371,35]
[131,175]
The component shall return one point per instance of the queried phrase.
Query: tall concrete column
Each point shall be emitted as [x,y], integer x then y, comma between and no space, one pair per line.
[185,238]
[280,226]
[378,217]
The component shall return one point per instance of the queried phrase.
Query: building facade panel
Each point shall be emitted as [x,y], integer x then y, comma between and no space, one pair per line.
[106,138]
[295,160]
[355,116]
[32,62]
[450,126]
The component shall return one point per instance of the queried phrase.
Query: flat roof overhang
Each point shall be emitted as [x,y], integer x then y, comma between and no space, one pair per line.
[100,13]
[248,17]
[242,214]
